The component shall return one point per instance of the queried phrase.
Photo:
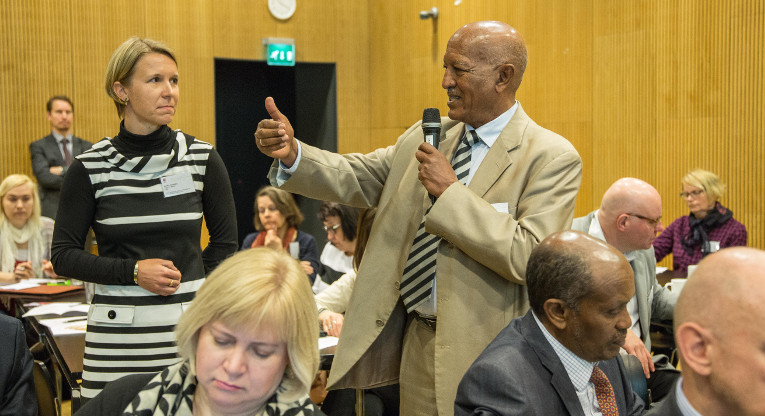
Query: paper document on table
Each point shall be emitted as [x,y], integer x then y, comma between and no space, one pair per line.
[66,326]
[58,308]
[660,270]
[326,342]
[24,284]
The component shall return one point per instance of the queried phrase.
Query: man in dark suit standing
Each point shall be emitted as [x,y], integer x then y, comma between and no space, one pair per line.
[52,155]
[719,333]
[561,357]
[17,387]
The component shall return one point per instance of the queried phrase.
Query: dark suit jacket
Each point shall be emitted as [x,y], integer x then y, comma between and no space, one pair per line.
[520,374]
[45,154]
[17,387]
[666,407]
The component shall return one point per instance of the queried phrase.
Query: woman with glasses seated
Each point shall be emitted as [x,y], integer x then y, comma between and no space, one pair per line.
[337,256]
[277,217]
[708,228]
[248,343]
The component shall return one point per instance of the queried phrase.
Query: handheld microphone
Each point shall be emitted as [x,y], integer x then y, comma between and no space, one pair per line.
[431,128]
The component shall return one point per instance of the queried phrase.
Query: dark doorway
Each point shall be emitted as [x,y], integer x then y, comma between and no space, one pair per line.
[305,93]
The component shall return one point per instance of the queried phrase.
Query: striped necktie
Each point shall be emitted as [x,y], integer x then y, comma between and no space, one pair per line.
[420,270]
[604,392]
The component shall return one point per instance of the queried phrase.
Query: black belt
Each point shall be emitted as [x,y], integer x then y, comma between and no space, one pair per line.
[430,321]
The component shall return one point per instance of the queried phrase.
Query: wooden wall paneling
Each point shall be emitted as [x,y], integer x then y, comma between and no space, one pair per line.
[99,31]
[33,38]
[746,173]
[188,31]
[350,40]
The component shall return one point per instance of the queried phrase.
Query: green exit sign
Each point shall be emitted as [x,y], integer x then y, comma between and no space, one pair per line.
[280,51]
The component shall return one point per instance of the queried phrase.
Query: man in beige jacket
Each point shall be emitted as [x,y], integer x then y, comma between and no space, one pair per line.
[521,186]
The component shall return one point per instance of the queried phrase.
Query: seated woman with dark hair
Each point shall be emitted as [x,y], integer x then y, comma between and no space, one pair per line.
[277,217]
[708,228]
[249,345]
[340,224]
[332,303]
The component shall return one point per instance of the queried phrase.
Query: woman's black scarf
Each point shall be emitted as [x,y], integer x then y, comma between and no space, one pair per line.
[698,234]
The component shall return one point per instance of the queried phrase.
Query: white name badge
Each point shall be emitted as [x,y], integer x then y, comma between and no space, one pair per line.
[178,184]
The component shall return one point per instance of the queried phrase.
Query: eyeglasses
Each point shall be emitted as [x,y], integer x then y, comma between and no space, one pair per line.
[331,228]
[654,222]
[692,194]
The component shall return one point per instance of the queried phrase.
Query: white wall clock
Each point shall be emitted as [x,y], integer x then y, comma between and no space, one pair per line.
[282,9]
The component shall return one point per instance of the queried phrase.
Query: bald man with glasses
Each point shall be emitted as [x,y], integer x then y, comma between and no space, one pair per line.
[628,219]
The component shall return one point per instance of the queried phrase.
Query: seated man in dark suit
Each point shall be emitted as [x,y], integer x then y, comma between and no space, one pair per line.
[17,386]
[719,332]
[561,357]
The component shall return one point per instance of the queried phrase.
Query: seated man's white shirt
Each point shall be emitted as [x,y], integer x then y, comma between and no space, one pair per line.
[579,372]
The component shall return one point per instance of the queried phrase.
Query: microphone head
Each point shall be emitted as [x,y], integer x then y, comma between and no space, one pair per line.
[431,116]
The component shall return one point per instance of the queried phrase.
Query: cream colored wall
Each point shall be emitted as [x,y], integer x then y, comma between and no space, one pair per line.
[649,89]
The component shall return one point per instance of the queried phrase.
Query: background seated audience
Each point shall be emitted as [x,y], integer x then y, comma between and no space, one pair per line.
[277,217]
[25,236]
[719,334]
[332,303]
[340,224]
[628,219]
[707,228]
[17,386]
[248,345]
[561,358]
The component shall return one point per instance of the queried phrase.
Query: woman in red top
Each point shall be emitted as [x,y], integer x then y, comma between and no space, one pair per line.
[277,217]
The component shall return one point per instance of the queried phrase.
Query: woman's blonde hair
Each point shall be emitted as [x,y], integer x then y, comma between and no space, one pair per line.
[258,288]
[284,202]
[12,181]
[707,181]
[121,66]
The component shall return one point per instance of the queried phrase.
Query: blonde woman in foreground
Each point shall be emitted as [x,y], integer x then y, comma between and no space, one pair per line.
[248,345]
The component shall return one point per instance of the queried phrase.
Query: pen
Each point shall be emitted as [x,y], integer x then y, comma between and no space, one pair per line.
[64,283]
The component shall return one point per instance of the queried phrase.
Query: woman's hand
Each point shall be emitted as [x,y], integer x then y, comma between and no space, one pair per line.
[307,268]
[23,270]
[331,322]
[47,269]
[158,276]
[272,240]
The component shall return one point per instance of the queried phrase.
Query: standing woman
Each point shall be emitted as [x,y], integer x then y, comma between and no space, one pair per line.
[708,228]
[144,193]
[25,236]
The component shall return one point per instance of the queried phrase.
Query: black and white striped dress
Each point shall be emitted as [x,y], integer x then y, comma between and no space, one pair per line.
[117,188]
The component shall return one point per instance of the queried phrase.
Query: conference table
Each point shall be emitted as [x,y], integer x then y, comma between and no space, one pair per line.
[62,353]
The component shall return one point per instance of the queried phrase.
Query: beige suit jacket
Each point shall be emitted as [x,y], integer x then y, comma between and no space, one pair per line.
[482,257]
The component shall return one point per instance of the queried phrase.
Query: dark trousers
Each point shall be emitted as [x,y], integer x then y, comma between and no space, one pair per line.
[380,401]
